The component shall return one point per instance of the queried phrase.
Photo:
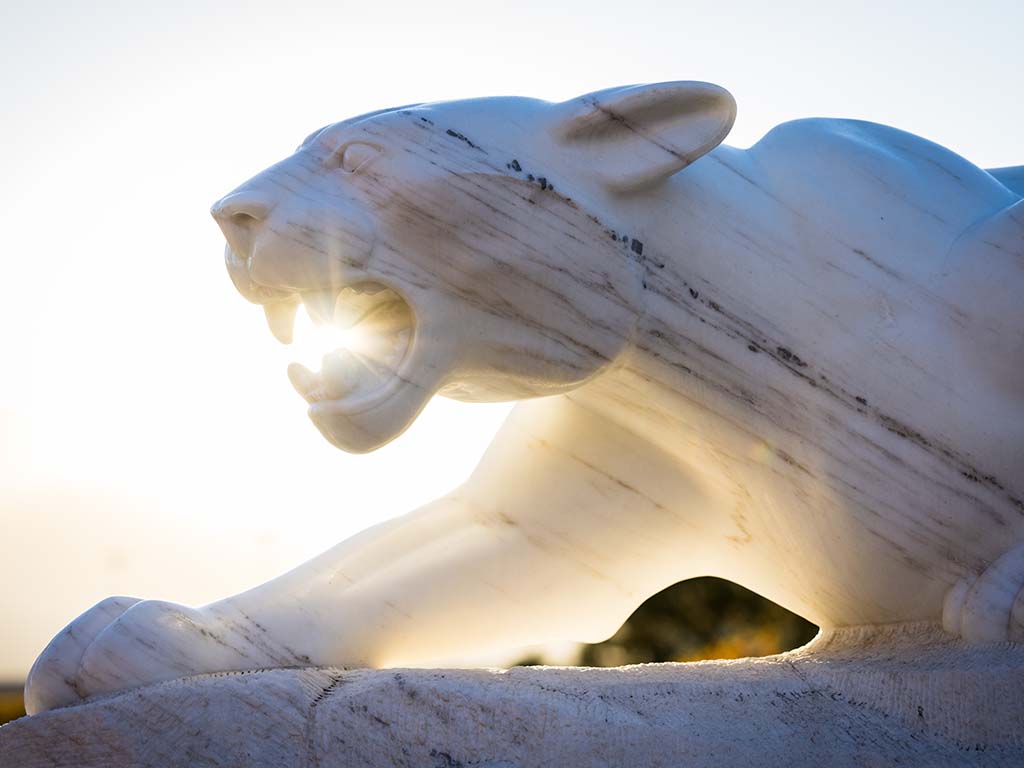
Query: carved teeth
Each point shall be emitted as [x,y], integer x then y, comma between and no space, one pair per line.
[354,302]
[303,379]
[345,307]
[344,372]
[320,305]
[378,327]
[340,373]
[281,319]
[370,288]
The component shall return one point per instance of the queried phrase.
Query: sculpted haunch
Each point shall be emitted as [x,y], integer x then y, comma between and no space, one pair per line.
[795,366]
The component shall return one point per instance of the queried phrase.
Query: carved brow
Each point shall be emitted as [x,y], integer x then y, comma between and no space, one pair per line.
[313,135]
[352,120]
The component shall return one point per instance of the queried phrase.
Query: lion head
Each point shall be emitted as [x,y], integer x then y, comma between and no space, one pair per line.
[467,242]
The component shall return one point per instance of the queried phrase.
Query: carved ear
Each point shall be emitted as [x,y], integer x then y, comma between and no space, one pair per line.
[641,134]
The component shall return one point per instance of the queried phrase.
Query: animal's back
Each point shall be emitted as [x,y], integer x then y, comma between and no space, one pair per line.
[901,199]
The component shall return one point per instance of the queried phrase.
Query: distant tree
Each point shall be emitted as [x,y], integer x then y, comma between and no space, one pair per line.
[11,704]
[704,618]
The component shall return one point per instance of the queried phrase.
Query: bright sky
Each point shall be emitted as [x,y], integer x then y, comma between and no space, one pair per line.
[150,443]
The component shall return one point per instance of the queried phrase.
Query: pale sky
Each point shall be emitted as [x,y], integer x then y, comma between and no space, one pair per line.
[150,443]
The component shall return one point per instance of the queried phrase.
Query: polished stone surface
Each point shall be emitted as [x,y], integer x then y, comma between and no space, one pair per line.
[795,366]
[908,696]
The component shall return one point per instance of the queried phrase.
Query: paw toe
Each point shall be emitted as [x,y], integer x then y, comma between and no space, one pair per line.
[53,680]
[146,644]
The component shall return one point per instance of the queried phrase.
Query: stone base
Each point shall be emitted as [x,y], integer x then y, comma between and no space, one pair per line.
[908,695]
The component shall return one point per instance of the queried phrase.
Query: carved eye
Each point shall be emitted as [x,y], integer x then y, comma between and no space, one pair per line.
[354,155]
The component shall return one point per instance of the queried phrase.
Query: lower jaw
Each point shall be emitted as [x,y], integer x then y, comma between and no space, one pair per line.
[360,432]
[365,423]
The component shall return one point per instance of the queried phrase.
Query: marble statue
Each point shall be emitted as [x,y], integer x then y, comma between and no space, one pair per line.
[796,366]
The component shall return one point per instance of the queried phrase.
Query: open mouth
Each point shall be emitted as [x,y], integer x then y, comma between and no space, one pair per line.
[378,327]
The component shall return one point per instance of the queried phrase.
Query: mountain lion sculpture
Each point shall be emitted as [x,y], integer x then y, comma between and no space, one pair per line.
[798,366]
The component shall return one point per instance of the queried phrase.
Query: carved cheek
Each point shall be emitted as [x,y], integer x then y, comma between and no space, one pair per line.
[350,241]
[414,238]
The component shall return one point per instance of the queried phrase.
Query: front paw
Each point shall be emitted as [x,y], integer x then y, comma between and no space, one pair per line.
[154,641]
[53,680]
[135,643]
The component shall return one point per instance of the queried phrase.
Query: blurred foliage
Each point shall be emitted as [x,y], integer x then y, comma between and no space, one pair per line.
[704,618]
[11,704]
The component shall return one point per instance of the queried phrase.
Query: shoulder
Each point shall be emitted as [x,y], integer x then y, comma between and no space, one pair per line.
[847,135]
[872,151]
[839,167]
[832,130]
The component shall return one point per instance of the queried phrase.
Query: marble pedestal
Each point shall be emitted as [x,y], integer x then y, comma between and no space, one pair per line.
[909,695]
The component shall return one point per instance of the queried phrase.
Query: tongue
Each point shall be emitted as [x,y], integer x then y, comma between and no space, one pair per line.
[343,374]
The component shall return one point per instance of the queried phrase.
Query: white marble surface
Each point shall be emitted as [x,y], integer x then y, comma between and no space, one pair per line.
[795,366]
[908,696]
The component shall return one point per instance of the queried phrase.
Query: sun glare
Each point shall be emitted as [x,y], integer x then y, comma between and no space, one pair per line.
[311,342]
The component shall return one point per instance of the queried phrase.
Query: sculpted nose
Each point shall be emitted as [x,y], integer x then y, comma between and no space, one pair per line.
[241,207]
[239,216]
